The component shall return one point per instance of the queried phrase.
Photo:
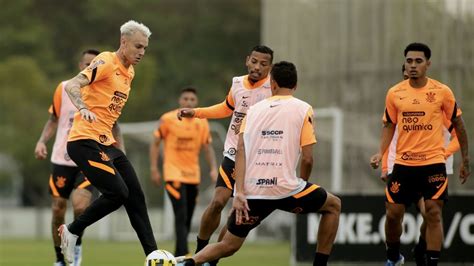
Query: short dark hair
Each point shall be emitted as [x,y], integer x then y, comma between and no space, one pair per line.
[91,51]
[418,47]
[285,74]
[189,89]
[264,50]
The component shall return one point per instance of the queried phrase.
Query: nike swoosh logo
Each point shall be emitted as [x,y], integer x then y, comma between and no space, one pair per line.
[271,106]
[245,97]
[118,74]
[401,98]
[438,186]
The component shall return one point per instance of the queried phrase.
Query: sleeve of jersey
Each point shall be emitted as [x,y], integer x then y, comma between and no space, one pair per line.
[220,110]
[450,108]
[307,133]
[55,108]
[99,68]
[206,133]
[390,114]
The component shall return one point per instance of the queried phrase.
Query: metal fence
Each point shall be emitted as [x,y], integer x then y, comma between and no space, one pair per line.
[348,53]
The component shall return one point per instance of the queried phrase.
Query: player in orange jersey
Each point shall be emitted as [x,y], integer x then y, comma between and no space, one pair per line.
[245,91]
[417,107]
[183,140]
[275,132]
[65,175]
[100,92]
[452,146]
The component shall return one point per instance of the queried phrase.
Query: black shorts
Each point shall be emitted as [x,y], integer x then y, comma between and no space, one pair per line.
[309,200]
[408,184]
[226,174]
[64,179]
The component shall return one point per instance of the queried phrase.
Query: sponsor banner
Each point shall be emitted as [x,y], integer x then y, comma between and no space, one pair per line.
[361,234]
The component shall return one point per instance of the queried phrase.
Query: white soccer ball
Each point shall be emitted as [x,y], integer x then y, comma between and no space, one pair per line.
[160,257]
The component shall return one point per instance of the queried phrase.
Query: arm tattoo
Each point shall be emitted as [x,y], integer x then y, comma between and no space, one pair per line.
[73,89]
[462,136]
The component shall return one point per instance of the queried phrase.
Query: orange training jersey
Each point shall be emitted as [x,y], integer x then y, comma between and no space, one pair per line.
[241,96]
[183,141]
[274,131]
[63,109]
[419,115]
[105,97]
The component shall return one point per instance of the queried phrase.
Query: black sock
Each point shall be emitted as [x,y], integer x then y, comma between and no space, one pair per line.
[320,259]
[201,244]
[421,244]
[59,255]
[79,239]
[189,262]
[432,257]
[393,251]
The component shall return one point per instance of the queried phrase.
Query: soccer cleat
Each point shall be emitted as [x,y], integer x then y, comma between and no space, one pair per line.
[77,255]
[68,243]
[400,261]
[59,263]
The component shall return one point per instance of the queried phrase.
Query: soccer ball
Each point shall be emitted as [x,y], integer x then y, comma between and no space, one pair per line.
[160,257]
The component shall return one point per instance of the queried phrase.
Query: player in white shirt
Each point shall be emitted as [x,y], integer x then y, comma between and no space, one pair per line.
[273,136]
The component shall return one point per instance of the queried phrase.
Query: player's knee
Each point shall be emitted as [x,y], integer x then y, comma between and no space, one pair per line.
[230,248]
[393,216]
[59,209]
[332,205]
[217,204]
[335,205]
[433,215]
[79,208]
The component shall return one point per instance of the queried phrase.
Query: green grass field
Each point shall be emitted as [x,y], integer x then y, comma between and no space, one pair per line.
[104,253]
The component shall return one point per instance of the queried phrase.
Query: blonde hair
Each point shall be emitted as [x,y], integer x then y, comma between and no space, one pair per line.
[131,26]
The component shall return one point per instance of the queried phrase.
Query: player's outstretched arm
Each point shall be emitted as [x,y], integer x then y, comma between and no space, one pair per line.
[388,130]
[41,151]
[73,89]
[461,134]
[220,110]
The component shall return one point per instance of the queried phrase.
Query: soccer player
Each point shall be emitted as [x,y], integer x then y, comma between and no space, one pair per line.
[417,107]
[65,176]
[452,146]
[99,92]
[183,140]
[274,134]
[245,91]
